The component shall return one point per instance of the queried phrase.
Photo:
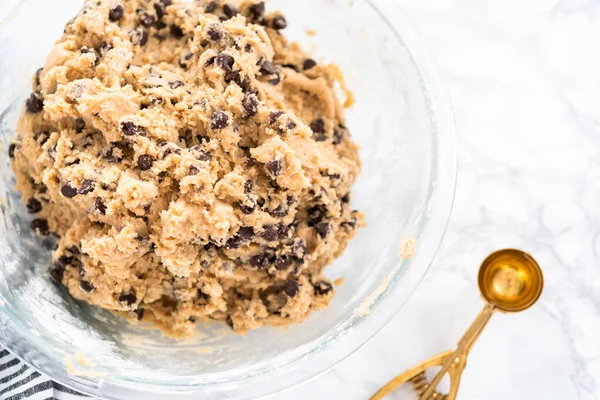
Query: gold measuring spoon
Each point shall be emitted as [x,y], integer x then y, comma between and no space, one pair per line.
[510,281]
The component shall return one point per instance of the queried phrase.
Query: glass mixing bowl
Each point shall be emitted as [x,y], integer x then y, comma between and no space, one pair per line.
[403,122]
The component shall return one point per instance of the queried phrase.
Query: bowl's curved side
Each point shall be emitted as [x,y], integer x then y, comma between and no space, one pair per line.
[304,362]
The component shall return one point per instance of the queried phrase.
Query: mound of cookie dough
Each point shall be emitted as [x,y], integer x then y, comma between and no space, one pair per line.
[192,164]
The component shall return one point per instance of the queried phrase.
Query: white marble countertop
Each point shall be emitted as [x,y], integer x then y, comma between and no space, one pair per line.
[524,77]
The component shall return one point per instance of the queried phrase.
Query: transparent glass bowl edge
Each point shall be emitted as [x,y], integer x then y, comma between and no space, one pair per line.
[355,332]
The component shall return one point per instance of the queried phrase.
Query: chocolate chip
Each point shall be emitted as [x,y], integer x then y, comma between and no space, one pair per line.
[79,125]
[139,36]
[248,186]
[268,68]
[250,104]
[318,128]
[261,202]
[338,136]
[281,211]
[224,61]
[283,263]
[130,129]
[116,13]
[260,261]
[322,288]
[233,243]
[145,162]
[64,260]
[187,57]
[248,209]
[270,233]
[215,33]
[80,268]
[68,191]
[230,11]
[100,206]
[351,224]
[276,80]
[74,249]
[128,297]
[44,135]
[200,154]
[233,76]
[282,230]
[57,273]
[11,150]
[147,19]
[218,120]
[229,322]
[194,169]
[104,48]
[309,64]
[279,22]
[167,3]
[291,287]
[210,61]
[274,116]
[291,66]
[87,186]
[299,249]
[34,104]
[176,32]
[291,125]
[142,238]
[160,10]
[140,311]
[318,125]
[246,233]
[323,229]
[34,206]
[315,215]
[37,76]
[211,7]
[175,84]
[40,225]
[110,155]
[274,167]
[244,84]
[346,198]
[86,286]
[320,137]
[257,10]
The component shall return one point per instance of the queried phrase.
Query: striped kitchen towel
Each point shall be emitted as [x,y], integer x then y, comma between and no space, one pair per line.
[18,381]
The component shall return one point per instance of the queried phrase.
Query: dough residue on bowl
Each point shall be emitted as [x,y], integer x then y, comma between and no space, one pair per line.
[192,164]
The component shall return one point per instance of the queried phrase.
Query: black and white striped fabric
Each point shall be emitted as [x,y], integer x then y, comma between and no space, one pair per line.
[18,381]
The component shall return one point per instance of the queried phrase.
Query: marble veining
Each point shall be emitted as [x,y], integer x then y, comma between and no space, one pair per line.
[524,78]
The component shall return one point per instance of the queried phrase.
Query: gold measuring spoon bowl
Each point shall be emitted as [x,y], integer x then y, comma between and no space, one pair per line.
[510,281]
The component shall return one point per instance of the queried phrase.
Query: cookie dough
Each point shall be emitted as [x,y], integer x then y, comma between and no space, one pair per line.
[192,164]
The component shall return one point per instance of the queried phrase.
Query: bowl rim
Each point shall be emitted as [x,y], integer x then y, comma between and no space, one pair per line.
[353,334]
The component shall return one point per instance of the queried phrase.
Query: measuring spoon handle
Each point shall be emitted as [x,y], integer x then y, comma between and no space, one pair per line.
[464,346]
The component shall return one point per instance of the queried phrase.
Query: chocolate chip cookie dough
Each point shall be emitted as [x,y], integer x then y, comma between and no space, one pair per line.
[192,164]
